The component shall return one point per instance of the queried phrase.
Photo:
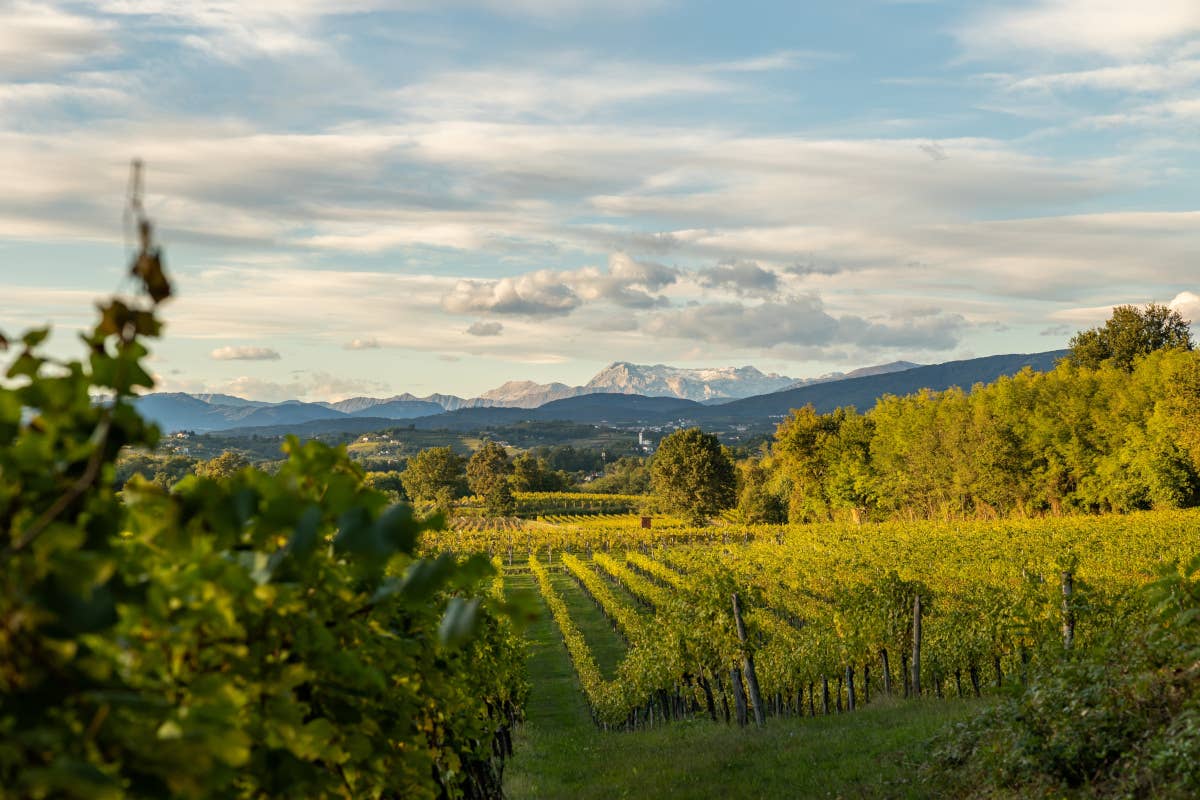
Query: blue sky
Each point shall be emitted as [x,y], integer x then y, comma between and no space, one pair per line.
[378,196]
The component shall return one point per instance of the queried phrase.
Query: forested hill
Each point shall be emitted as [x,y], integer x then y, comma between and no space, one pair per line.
[863,392]
[613,409]
[761,412]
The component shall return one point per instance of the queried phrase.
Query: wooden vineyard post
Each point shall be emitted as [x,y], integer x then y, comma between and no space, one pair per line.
[739,696]
[748,663]
[1068,614]
[916,655]
[887,672]
[708,698]
[849,688]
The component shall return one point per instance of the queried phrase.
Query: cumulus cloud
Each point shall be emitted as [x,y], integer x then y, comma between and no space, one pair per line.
[742,277]
[485,328]
[1188,305]
[625,282]
[541,293]
[804,321]
[244,353]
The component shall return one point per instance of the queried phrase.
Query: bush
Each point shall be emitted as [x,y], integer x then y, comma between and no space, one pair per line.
[1123,722]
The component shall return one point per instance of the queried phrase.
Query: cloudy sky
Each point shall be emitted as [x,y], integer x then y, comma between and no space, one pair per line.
[377,196]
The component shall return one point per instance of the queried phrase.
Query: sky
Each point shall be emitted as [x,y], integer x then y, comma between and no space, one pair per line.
[380,196]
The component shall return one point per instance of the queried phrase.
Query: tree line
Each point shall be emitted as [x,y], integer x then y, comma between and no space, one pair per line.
[1114,427]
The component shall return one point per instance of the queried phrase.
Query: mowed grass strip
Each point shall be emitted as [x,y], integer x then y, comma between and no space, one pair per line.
[605,643]
[871,753]
[555,699]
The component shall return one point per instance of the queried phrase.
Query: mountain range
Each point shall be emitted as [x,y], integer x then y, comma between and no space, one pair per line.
[621,394]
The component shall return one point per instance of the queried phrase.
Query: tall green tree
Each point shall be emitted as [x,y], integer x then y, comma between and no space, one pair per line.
[1130,333]
[488,474]
[435,475]
[757,503]
[531,473]
[225,465]
[693,475]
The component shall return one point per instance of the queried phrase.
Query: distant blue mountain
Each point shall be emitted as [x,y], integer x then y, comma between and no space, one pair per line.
[177,411]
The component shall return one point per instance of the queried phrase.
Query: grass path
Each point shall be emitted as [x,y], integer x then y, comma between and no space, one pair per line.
[560,754]
[608,648]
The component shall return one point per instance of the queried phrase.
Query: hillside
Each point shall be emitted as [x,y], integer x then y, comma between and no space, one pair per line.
[177,411]
[610,409]
[862,392]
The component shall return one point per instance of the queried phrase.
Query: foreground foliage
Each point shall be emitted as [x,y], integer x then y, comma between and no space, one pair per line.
[242,635]
[1122,722]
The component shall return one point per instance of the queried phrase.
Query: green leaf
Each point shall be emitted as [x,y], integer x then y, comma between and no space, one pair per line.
[459,621]
[426,577]
[33,338]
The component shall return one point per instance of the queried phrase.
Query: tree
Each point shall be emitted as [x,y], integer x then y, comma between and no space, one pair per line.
[223,466]
[498,500]
[756,502]
[626,475]
[693,475]
[435,475]
[1130,333]
[389,482]
[488,472]
[488,466]
[532,474]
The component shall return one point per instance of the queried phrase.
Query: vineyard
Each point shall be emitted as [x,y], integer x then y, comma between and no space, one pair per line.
[834,615]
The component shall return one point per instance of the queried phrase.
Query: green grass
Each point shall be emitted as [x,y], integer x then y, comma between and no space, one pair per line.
[560,754]
[556,703]
[606,644]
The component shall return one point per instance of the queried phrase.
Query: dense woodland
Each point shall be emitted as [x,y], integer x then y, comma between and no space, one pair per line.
[1078,438]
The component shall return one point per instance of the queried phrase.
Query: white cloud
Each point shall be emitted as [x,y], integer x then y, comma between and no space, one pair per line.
[485,328]
[232,30]
[1187,304]
[570,92]
[311,386]
[804,321]
[38,38]
[741,277]
[626,282]
[363,344]
[535,294]
[1115,28]
[1142,77]
[35,97]
[244,353]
